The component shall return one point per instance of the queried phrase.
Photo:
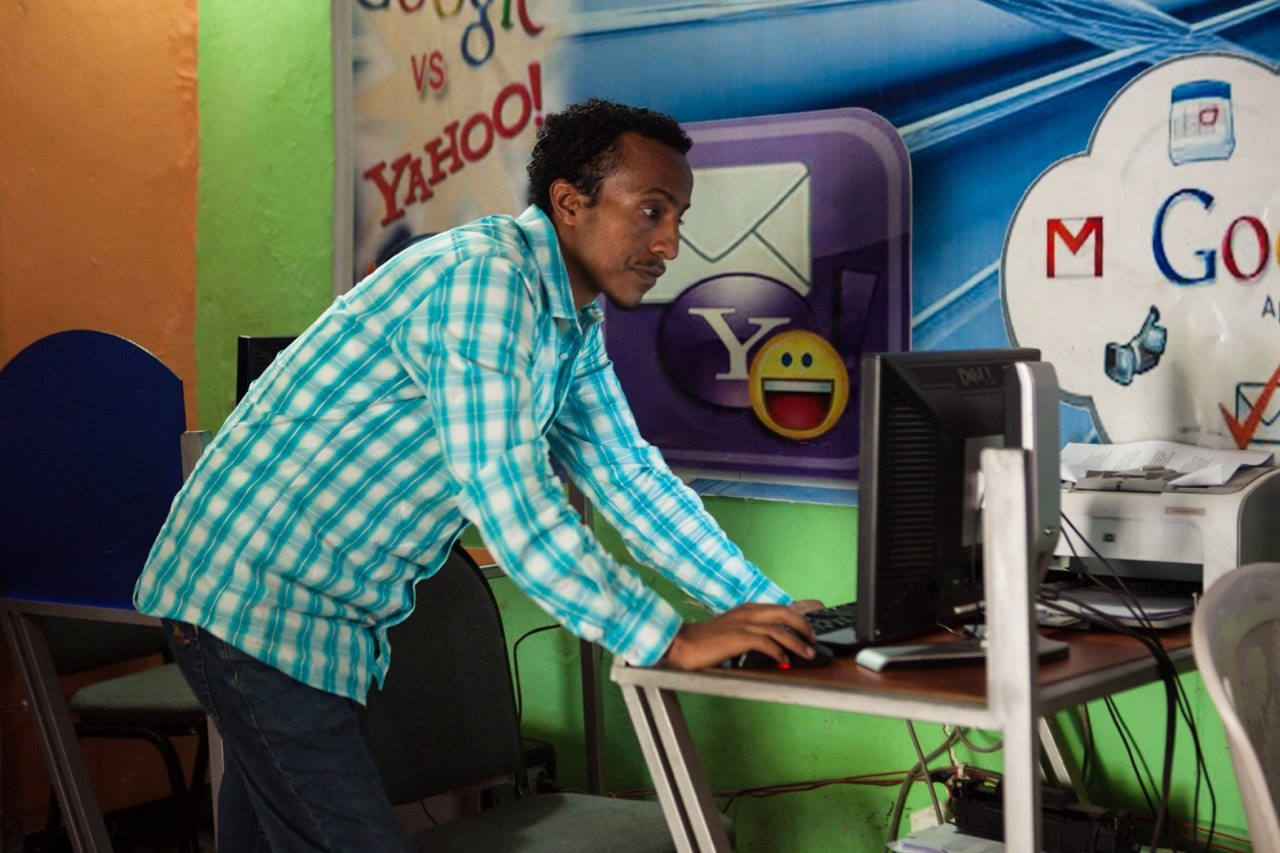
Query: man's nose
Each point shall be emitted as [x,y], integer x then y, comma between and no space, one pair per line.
[667,241]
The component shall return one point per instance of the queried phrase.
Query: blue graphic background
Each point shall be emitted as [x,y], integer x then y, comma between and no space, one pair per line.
[986,95]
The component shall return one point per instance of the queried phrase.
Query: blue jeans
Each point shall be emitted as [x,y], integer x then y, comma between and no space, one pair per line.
[297,774]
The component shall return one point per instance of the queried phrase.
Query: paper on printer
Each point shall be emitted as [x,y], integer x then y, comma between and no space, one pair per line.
[1194,466]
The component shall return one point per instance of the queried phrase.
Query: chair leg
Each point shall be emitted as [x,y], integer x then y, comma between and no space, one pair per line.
[187,823]
[52,820]
[199,769]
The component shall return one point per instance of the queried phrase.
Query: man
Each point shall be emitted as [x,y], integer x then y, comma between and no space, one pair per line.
[429,397]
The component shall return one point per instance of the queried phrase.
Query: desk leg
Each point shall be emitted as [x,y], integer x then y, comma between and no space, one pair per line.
[677,774]
[591,659]
[1060,762]
[1021,785]
[1012,667]
[58,739]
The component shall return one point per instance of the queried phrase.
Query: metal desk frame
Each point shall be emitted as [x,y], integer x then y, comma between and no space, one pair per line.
[1015,697]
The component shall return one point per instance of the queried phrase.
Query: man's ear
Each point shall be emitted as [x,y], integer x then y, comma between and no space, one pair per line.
[567,203]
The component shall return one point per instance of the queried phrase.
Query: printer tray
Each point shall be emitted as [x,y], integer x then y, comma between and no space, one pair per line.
[1159,611]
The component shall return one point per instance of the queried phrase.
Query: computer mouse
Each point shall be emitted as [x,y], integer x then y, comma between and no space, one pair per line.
[759,660]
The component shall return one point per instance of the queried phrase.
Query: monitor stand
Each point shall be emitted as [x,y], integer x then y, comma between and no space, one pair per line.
[945,653]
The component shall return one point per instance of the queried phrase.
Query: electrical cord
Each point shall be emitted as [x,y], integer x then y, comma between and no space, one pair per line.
[1168,676]
[1129,744]
[921,769]
[915,742]
[973,747]
[1176,700]
[515,666]
[1183,704]
[876,779]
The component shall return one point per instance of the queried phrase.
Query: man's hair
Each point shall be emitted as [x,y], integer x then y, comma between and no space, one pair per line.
[581,145]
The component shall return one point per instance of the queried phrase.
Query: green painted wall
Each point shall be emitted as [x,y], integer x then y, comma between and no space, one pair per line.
[264,254]
[264,246]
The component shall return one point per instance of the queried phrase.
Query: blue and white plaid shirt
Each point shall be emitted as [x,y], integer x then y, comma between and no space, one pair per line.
[427,397]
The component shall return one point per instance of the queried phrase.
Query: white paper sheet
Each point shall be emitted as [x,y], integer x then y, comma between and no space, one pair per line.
[1199,466]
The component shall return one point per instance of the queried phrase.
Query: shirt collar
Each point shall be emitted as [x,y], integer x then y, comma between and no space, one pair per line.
[540,234]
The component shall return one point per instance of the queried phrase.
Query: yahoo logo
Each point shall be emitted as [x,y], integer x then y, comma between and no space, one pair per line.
[710,331]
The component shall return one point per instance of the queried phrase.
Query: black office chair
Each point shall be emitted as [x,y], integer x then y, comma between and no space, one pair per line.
[153,705]
[446,720]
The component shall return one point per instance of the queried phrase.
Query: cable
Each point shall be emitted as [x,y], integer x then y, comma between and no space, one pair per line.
[1176,699]
[921,769]
[1168,676]
[924,764]
[1126,740]
[973,747]
[515,666]
[876,779]
[1127,599]
[1180,697]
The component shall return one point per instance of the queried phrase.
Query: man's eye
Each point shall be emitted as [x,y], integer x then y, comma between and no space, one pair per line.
[651,212]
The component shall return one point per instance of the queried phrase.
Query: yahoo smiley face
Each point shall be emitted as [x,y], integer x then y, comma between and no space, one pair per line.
[798,384]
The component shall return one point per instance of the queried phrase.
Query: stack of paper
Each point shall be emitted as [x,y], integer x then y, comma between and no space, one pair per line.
[1194,466]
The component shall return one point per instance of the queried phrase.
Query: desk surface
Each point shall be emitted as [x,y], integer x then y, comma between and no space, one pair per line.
[1099,664]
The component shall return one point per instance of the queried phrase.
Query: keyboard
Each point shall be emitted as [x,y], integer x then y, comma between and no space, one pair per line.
[837,628]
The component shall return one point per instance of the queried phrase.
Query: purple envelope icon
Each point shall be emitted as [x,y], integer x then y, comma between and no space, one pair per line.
[794,260]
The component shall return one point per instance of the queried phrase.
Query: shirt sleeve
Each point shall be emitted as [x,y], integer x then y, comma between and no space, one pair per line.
[662,521]
[471,348]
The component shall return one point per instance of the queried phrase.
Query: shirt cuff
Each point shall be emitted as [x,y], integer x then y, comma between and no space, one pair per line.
[644,638]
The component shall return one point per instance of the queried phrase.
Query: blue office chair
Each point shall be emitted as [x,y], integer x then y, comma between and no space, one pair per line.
[90,457]
[446,720]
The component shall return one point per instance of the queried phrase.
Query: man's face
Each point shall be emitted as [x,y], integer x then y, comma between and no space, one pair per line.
[620,245]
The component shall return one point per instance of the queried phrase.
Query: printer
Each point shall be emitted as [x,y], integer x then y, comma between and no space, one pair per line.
[1185,537]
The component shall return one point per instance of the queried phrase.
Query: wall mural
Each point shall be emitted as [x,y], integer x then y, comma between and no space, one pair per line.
[986,97]
[1146,267]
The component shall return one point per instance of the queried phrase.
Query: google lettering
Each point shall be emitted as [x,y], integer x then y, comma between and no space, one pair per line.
[478,38]
[1240,232]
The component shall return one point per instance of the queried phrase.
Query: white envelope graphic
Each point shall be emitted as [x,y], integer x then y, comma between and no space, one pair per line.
[744,219]
[1248,395]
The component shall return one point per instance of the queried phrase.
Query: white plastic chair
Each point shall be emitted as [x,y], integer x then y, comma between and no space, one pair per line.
[1236,641]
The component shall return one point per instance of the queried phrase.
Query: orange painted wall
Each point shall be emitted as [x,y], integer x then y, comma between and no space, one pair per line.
[99,154]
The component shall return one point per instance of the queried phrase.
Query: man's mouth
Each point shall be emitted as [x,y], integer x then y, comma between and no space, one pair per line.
[652,271]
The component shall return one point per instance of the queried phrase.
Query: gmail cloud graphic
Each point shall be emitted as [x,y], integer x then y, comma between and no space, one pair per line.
[1147,268]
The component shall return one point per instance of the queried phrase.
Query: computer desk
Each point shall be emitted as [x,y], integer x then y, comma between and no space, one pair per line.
[1014,695]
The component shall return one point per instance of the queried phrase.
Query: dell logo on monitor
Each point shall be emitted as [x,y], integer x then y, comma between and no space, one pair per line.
[977,376]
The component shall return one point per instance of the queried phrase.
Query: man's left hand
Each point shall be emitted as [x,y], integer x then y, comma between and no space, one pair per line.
[806,605]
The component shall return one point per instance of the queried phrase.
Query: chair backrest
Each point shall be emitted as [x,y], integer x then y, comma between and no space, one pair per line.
[89,461]
[445,717]
[1236,641]
[79,645]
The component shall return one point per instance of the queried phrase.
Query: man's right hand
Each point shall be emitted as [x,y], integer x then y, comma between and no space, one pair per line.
[748,627]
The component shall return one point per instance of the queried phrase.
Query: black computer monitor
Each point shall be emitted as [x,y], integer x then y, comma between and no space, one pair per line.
[253,355]
[926,416]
